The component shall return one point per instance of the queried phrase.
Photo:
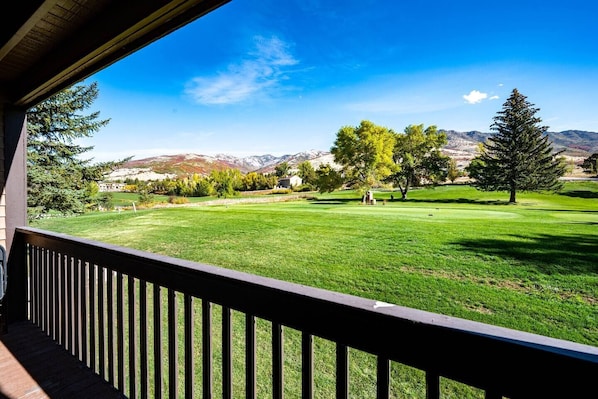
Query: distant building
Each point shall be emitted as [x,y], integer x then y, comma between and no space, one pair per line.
[111,186]
[290,182]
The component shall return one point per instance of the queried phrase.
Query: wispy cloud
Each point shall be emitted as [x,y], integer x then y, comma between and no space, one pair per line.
[262,70]
[475,97]
[494,98]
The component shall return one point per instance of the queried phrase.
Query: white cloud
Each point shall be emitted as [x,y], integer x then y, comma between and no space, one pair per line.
[263,69]
[494,98]
[475,97]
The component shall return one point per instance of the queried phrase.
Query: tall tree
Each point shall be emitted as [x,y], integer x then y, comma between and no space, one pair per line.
[58,176]
[365,154]
[306,172]
[282,169]
[418,158]
[328,179]
[519,156]
[453,172]
[590,164]
[226,182]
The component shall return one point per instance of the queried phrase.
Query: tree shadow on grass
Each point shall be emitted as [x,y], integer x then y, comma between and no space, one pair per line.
[570,254]
[456,201]
[336,201]
[565,210]
[580,194]
[339,201]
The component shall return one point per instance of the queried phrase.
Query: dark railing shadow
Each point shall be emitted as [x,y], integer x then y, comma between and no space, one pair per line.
[565,254]
[48,369]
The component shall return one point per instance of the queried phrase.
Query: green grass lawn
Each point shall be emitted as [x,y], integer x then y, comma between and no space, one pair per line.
[453,250]
[531,266]
[126,200]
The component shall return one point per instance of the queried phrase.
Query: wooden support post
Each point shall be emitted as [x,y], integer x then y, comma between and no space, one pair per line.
[15,300]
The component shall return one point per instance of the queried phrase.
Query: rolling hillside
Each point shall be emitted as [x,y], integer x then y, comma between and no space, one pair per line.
[461,146]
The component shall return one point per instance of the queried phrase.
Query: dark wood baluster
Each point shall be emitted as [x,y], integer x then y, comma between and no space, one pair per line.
[144,377]
[70,333]
[131,339]
[227,353]
[307,366]
[110,317]
[189,364]
[84,313]
[76,308]
[120,331]
[206,315]
[432,385]
[342,371]
[157,343]
[172,345]
[92,317]
[250,357]
[101,331]
[383,378]
[277,361]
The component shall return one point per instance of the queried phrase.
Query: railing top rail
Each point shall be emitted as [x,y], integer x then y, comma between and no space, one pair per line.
[478,354]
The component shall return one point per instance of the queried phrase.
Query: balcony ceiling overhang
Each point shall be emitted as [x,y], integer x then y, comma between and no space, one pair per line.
[48,45]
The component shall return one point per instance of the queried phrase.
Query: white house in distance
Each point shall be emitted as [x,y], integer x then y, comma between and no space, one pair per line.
[290,182]
[111,186]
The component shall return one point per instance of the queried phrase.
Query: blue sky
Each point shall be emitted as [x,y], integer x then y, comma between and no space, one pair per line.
[283,76]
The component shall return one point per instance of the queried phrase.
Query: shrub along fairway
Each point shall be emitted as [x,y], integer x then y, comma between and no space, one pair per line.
[126,200]
[453,250]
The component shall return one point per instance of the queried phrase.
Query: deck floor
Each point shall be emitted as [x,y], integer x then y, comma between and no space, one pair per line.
[33,366]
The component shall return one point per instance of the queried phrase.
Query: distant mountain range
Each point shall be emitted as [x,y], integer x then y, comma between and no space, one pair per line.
[461,146]
[575,143]
[162,166]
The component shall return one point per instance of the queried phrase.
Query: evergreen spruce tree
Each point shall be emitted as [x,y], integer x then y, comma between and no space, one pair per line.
[519,156]
[58,177]
[590,164]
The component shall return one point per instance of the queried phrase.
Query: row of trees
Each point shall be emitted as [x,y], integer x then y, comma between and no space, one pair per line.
[373,155]
[518,157]
[222,183]
[229,182]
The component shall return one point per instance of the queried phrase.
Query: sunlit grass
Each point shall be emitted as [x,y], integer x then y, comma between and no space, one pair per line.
[531,266]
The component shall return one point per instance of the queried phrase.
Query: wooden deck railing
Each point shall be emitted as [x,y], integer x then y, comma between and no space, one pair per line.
[113,308]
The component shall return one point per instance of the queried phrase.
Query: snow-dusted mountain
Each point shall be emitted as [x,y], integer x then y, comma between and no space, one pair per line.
[163,166]
[461,146]
[575,143]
